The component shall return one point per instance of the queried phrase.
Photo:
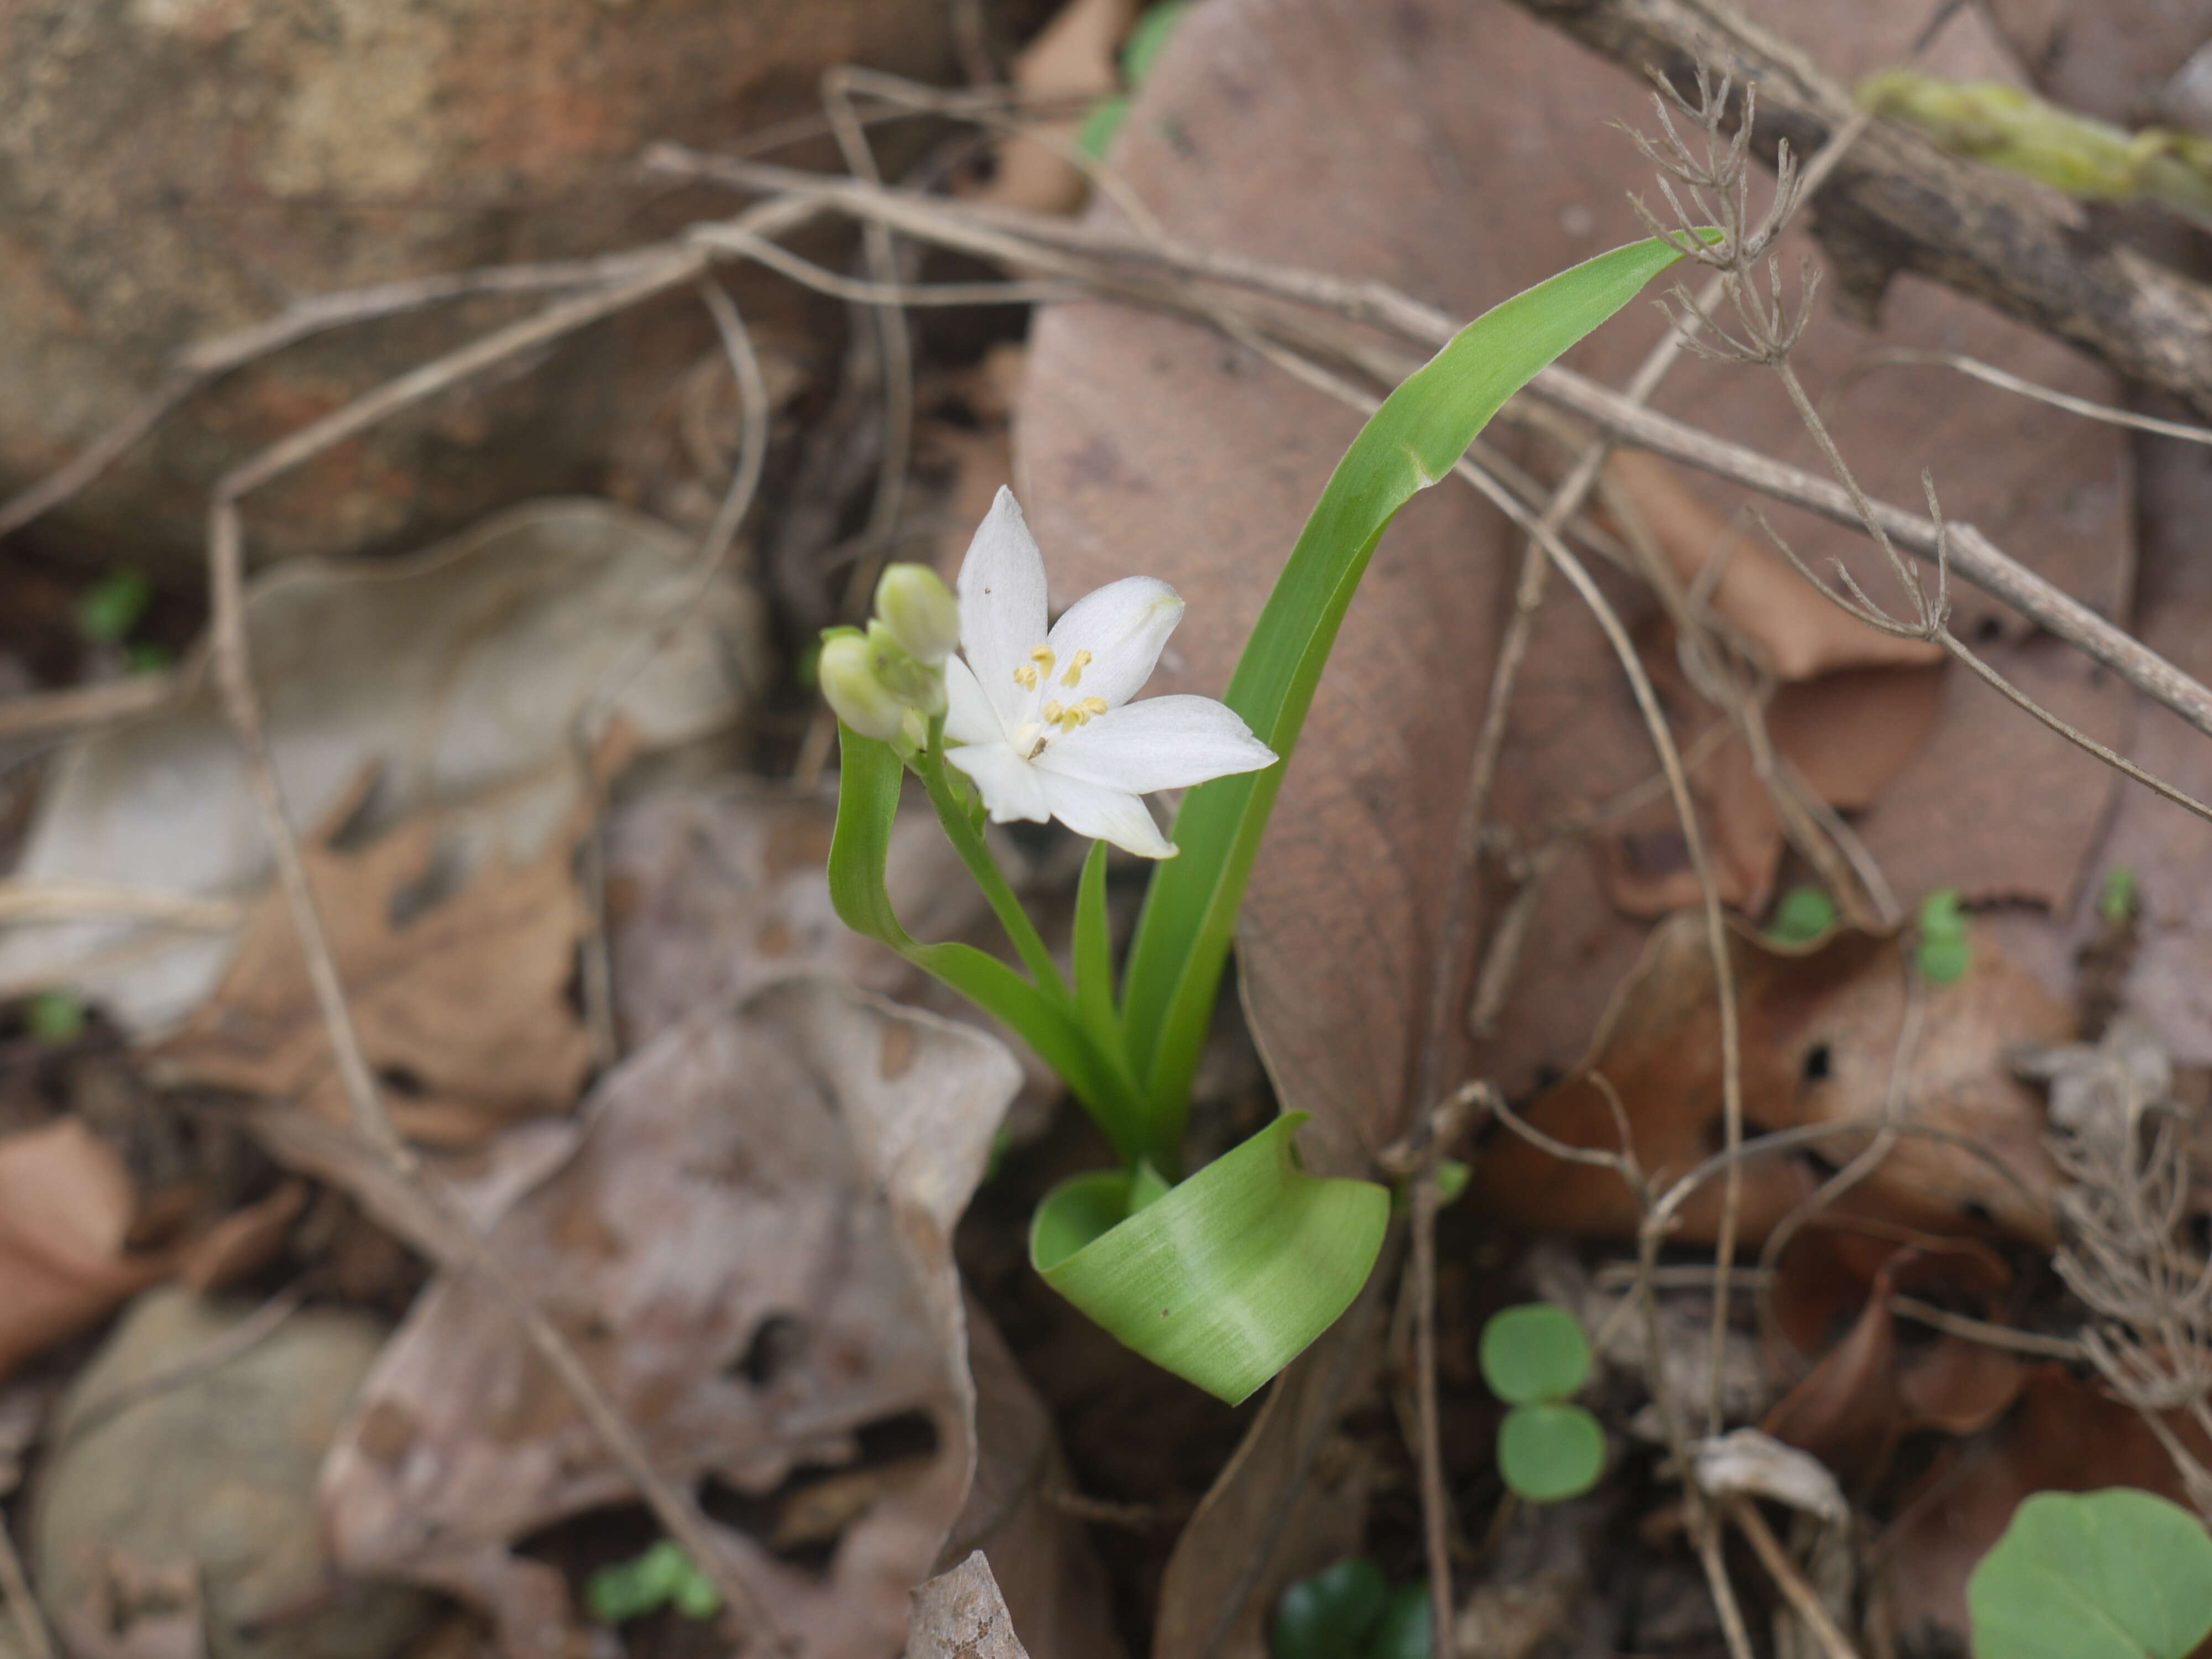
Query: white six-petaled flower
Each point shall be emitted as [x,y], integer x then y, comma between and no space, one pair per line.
[1043,719]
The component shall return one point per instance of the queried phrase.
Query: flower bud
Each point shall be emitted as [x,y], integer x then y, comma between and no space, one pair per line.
[919,611]
[848,672]
[916,684]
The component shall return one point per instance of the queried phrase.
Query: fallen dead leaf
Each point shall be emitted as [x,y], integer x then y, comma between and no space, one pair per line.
[961,1615]
[456,963]
[68,1208]
[1150,444]
[750,1248]
[1075,59]
[1820,1030]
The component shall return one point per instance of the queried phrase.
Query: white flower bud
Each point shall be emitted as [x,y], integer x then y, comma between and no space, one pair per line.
[916,684]
[920,612]
[862,700]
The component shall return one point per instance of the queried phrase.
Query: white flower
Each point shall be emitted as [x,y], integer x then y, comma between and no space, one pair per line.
[1043,719]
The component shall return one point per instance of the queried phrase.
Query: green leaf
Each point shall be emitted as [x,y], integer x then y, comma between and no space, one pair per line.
[108,610]
[1535,1352]
[1804,915]
[1406,1627]
[1332,1614]
[1223,1279]
[1094,949]
[1943,954]
[2116,899]
[1148,38]
[1102,126]
[2119,1574]
[1549,1452]
[662,1574]
[55,1017]
[1183,936]
[868,780]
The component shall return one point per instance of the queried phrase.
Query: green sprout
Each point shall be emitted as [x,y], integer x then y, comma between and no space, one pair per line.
[1536,1359]
[108,610]
[1942,953]
[665,1575]
[1224,1273]
[2118,901]
[1349,1611]
[1804,915]
[55,1018]
[1148,38]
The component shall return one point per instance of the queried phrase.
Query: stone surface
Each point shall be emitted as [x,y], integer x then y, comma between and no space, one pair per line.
[212,1479]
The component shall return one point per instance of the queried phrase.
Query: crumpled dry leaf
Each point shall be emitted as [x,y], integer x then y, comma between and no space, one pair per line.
[1820,1028]
[751,1250]
[1152,445]
[1075,57]
[1870,1390]
[67,1211]
[2064,1435]
[961,1615]
[455,672]
[456,957]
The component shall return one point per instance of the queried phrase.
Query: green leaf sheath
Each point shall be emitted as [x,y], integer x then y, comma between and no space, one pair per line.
[1421,430]
[869,776]
[1225,1278]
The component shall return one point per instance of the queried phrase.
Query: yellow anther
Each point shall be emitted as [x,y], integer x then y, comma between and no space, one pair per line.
[1026,678]
[1043,658]
[1090,706]
[1054,714]
[1074,675]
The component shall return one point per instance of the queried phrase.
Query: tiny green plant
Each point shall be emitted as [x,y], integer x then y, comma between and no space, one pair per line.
[1349,1611]
[663,1577]
[55,1018]
[1148,38]
[2116,899]
[1805,913]
[1222,1275]
[2119,1574]
[1941,952]
[1536,1359]
[108,610]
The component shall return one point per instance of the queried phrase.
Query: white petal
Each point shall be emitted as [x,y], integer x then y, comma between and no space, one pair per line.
[1122,625]
[968,715]
[1011,788]
[1002,605]
[1162,743]
[1105,815]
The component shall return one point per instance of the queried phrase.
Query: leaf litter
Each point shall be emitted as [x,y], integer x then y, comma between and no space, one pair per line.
[740,1227]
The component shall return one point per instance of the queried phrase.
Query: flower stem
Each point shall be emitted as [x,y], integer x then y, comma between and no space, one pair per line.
[968,842]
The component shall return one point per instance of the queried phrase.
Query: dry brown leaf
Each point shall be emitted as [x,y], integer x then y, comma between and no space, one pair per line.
[1821,1035]
[2064,1435]
[750,1248]
[459,993]
[66,1204]
[1075,57]
[1870,1390]
[1798,634]
[960,1615]
[1152,445]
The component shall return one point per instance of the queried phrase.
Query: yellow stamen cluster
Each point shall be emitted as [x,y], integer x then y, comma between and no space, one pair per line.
[1068,718]
[1041,661]
[1074,675]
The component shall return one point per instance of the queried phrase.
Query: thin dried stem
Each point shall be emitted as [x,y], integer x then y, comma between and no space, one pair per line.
[1804,1601]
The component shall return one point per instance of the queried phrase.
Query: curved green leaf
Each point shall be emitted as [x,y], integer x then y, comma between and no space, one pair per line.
[868,779]
[1536,1352]
[1549,1452]
[1183,936]
[1221,1279]
[2119,1574]
[1332,1614]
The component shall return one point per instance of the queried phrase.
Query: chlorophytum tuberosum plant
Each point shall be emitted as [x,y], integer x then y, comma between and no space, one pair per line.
[1222,1275]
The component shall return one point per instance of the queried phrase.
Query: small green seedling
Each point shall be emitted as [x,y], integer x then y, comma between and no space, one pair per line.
[1536,1359]
[1943,954]
[108,610]
[665,1575]
[2117,899]
[1148,38]
[1350,1612]
[2119,1574]
[55,1018]
[1805,915]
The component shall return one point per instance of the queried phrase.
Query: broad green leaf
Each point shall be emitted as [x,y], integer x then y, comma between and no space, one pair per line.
[1333,1614]
[1535,1352]
[2119,1574]
[1148,38]
[1183,936]
[868,782]
[1223,1279]
[1804,915]
[1549,1452]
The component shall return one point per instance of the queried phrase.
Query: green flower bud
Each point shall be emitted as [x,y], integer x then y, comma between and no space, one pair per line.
[855,691]
[915,684]
[920,612]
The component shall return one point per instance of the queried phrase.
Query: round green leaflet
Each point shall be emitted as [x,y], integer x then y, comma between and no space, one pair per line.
[1535,1352]
[1225,1278]
[2119,1574]
[1549,1452]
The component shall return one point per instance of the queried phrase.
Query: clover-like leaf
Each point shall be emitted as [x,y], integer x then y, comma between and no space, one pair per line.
[2119,1574]
[1549,1452]
[1535,1352]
